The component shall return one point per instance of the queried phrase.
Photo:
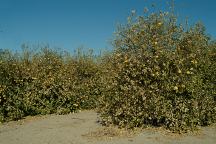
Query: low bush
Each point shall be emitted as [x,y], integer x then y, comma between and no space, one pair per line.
[46,82]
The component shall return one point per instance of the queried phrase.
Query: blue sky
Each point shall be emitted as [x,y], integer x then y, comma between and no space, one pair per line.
[69,24]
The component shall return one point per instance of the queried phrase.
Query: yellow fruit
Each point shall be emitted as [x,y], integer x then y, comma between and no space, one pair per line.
[159,24]
[175,88]
[194,61]
[157,73]
[188,72]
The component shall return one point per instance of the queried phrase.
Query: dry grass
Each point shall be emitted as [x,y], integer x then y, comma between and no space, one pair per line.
[106,133]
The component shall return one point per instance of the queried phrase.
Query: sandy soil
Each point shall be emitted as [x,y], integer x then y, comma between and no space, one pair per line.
[83,128]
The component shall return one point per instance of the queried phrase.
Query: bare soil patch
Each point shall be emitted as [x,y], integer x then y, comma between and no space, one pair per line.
[83,128]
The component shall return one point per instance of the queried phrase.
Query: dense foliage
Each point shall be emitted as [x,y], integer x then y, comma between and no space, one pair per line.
[46,82]
[164,75]
[161,73]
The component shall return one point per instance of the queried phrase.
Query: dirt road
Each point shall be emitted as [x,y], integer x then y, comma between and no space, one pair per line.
[82,128]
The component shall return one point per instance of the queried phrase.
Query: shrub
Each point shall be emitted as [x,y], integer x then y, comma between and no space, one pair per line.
[46,82]
[161,73]
[164,75]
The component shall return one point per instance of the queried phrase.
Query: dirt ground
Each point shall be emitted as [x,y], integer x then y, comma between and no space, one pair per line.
[83,128]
